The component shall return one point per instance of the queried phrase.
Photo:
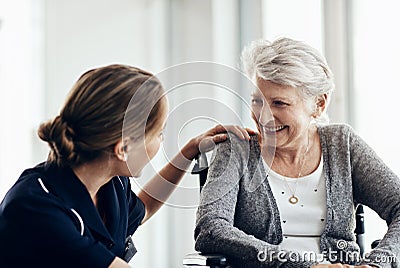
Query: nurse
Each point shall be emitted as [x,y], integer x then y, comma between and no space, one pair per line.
[77,209]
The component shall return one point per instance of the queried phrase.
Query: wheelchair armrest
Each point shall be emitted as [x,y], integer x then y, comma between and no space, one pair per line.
[207,260]
[375,243]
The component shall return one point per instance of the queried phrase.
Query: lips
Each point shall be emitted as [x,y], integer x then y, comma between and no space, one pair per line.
[274,128]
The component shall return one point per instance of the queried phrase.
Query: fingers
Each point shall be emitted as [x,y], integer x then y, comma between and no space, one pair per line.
[250,131]
[208,144]
[218,134]
[240,132]
[219,138]
[218,129]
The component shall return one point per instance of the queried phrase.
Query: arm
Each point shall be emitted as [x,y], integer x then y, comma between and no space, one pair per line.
[376,186]
[164,183]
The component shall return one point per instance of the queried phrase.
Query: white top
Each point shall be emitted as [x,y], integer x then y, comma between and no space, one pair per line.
[302,223]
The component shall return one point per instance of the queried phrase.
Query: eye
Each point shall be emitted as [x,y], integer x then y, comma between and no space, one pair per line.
[256,101]
[279,103]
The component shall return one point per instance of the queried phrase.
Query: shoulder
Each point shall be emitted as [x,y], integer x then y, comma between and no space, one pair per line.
[242,149]
[336,134]
[28,187]
[335,130]
[48,227]
[235,157]
[342,140]
[30,201]
[30,212]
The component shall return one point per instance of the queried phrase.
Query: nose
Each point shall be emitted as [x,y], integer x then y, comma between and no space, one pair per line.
[265,115]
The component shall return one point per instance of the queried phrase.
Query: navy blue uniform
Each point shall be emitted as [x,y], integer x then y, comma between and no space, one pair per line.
[48,219]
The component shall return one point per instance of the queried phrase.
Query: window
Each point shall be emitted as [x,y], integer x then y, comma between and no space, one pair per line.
[20,87]
[376,91]
[287,18]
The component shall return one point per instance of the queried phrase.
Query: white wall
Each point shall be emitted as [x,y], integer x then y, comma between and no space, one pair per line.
[20,86]
[80,35]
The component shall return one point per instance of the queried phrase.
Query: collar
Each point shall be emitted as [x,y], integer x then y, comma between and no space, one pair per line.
[66,185]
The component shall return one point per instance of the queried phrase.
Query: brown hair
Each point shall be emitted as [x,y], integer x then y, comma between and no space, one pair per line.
[92,119]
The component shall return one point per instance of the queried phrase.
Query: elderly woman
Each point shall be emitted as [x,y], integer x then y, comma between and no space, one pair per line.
[288,197]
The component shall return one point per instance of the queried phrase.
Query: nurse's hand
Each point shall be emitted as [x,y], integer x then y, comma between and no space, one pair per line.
[206,141]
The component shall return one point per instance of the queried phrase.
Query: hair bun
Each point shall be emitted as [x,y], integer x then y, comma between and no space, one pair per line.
[59,136]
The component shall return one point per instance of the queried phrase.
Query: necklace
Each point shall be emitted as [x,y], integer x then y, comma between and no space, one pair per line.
[293,199]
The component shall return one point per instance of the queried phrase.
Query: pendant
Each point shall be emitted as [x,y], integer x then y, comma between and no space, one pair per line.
[293,199]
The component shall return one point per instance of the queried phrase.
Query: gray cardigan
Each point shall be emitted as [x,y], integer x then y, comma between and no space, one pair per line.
[238,215]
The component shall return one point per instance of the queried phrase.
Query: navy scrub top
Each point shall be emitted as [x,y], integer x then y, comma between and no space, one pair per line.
[48,219]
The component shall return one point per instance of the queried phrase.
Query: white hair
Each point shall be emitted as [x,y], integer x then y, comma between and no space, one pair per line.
[292,63]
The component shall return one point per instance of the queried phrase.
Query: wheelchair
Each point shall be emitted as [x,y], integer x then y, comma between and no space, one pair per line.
[198,259]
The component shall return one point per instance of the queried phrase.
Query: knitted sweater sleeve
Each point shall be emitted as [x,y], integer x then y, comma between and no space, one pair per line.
[378,187]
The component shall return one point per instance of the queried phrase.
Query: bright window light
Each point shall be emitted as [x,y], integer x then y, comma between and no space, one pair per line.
[286,18]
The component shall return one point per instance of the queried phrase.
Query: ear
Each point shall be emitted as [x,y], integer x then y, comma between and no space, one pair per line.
[320,103]
[120,150]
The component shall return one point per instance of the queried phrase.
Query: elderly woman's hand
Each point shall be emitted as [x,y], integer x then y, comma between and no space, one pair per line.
[206,141]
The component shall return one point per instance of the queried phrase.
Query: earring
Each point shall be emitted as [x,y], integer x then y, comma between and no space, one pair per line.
[125,157]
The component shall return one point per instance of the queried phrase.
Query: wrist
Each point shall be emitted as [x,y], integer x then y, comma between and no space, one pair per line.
[190,150]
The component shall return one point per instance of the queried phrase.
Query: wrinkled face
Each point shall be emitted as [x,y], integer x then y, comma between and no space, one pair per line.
[281,113]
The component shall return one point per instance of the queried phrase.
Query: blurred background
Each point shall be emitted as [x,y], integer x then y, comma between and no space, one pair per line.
[45,45]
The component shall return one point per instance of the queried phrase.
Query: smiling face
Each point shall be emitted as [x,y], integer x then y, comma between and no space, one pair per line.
[142,151]
[282,113]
